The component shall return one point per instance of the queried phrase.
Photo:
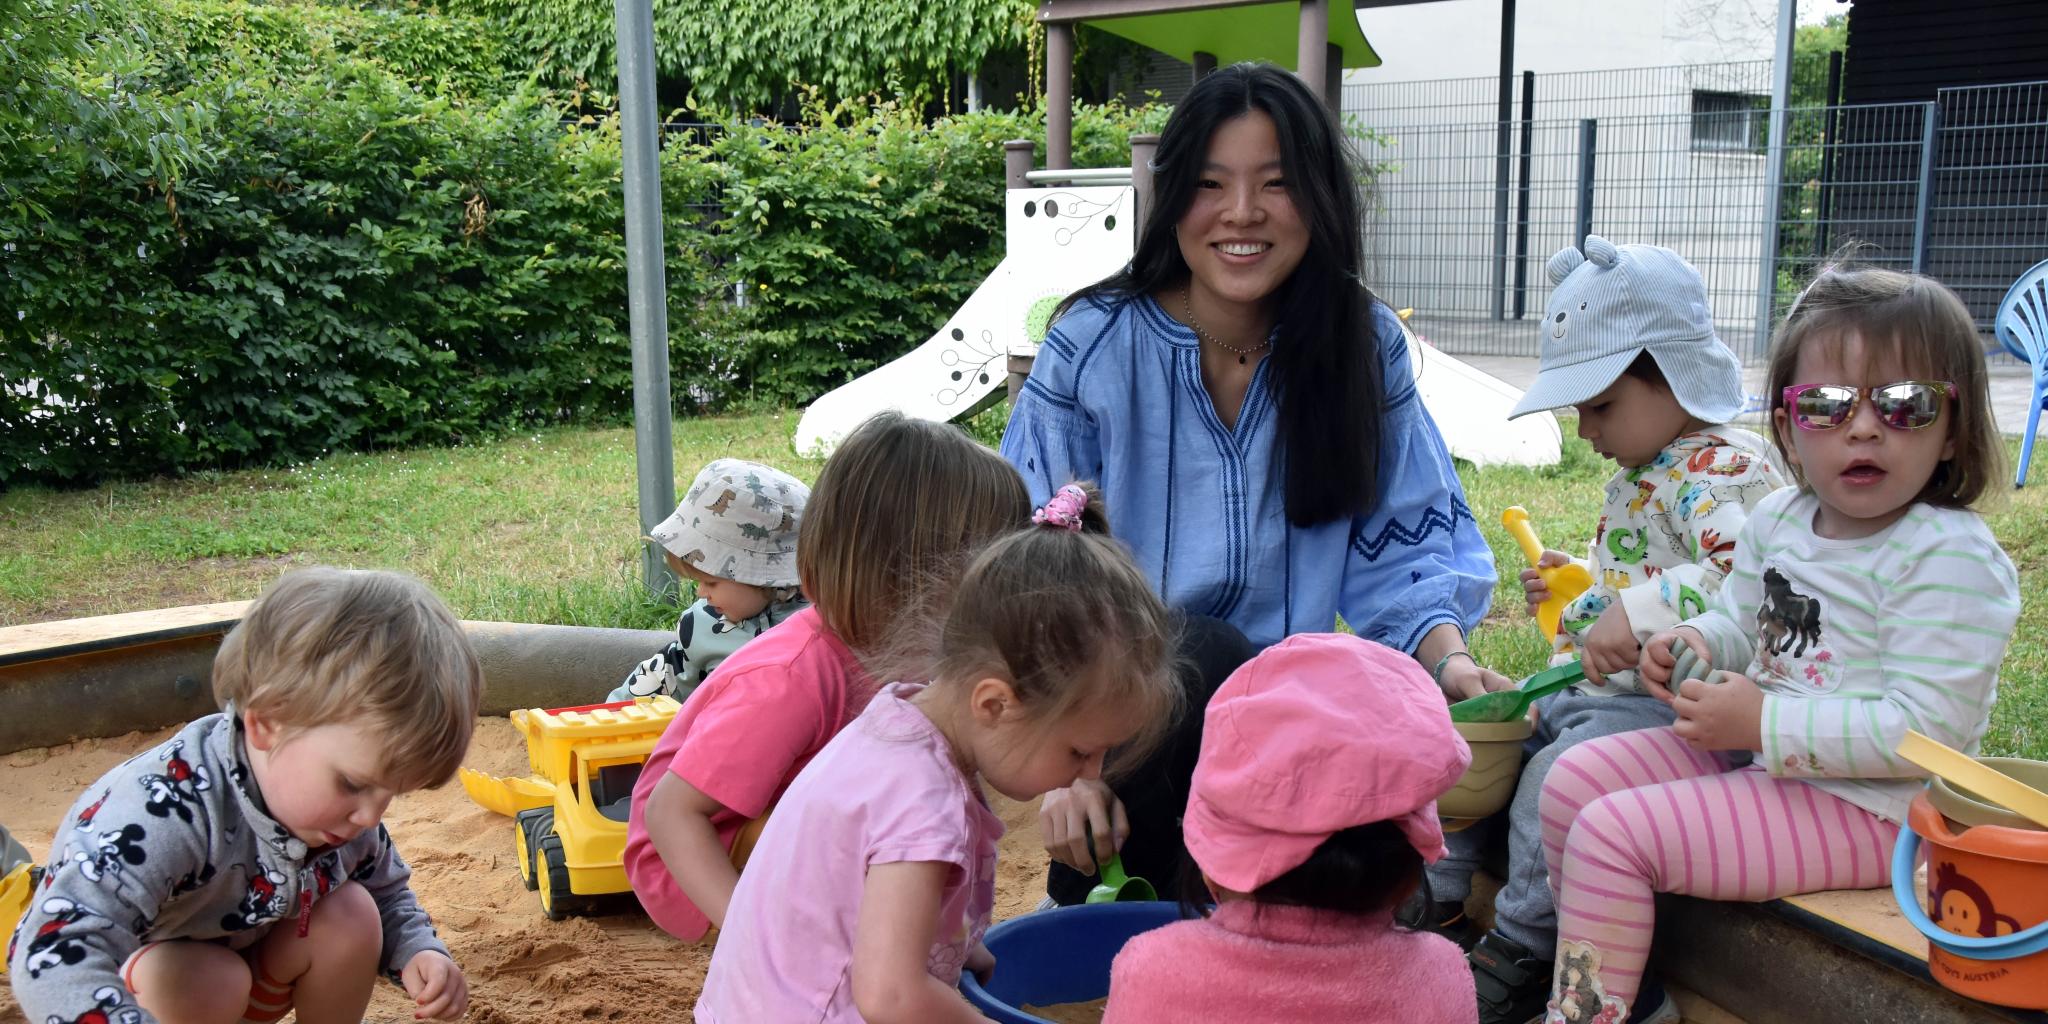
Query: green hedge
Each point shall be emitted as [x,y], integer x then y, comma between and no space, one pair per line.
[224,255]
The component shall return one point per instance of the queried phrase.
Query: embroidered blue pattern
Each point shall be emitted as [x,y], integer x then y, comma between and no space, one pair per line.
[1433,519]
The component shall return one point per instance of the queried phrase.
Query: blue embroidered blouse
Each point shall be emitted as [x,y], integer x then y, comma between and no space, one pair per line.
[1116,397]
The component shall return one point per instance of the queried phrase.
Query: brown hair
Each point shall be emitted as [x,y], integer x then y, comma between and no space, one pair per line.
[328,646]
[896,511]
[1068,620]
[1924,328]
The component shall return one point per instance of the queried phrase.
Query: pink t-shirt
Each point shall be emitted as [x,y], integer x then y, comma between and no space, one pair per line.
[741,738]
[884,791]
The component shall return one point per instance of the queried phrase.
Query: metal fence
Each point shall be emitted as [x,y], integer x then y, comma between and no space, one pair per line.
[1956,188]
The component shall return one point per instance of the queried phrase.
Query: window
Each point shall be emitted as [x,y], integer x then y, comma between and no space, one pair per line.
[1729,122]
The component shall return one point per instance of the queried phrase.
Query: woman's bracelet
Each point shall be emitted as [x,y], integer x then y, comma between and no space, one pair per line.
[1437,674]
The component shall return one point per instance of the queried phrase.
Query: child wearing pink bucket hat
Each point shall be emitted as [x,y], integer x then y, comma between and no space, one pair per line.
[1311,814]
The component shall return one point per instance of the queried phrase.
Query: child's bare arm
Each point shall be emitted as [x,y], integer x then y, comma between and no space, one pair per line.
[678,819]
[899,912]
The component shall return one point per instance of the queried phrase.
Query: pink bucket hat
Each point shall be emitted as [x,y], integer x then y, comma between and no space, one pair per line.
[1319,733]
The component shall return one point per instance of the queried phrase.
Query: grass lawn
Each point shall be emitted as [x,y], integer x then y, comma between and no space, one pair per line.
[541,528]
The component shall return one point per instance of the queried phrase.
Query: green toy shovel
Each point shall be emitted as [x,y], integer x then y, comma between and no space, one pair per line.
[1116,887]
[1508,705]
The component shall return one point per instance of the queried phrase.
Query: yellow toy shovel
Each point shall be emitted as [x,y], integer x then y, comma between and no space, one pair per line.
[1962,770]
[1565,581]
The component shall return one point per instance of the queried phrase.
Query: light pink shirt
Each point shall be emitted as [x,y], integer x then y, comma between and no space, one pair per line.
[1251,962]
[884,791]
[741,738]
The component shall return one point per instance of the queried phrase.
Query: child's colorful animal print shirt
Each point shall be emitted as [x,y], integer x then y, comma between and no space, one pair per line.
[176,844]
[1855,641]
[1667,537]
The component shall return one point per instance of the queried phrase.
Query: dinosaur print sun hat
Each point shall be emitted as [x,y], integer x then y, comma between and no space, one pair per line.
[738,521]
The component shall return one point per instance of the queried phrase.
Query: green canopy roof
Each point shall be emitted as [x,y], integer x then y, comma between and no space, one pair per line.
[1259,31]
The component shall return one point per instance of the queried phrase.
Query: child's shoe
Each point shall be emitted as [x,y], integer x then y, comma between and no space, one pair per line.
[1654,1005]
[1448,919]
[1513,983]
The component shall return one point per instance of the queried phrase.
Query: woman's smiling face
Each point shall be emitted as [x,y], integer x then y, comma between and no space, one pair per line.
[1241,235]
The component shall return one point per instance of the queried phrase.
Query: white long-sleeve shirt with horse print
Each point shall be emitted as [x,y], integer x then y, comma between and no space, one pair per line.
[1856,641]
[1667,537]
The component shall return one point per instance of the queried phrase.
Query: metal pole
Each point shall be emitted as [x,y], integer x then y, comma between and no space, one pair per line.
[1829,118]
[1589,131]
[1143,147]
[1016,163]
[1312,31]
[1522,195]
[1059,95]
[646,293]
[1774,177]
[1502,156]
[1923,207]
[1333,78]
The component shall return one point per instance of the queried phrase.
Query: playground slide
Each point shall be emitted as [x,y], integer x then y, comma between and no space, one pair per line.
[1057,240]
[1471,406]
[1061,239]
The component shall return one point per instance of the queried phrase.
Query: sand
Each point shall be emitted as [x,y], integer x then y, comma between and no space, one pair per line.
[1069,1013]
[522,968]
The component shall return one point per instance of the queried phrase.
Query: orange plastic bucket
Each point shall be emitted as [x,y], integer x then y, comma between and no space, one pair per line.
[1987,917]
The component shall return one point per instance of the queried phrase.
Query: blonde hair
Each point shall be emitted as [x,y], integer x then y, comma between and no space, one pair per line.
[326,646]
[1069,621]
[1923,327]
[895,513]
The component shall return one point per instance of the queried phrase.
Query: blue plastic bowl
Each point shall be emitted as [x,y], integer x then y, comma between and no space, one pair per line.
[1058,956]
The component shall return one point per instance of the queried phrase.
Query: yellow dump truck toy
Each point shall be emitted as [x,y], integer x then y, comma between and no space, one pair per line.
[569,815]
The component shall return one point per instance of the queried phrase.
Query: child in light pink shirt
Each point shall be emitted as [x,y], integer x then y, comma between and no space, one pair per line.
[873,882]
[897,507]
[1311,812]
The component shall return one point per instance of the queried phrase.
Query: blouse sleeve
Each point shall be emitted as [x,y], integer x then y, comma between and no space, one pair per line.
[1051,439]
[1417,560]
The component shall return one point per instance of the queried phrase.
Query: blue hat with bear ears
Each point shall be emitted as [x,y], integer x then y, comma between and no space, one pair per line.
[1612,302]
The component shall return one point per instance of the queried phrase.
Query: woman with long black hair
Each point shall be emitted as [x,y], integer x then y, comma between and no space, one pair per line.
[1247,408]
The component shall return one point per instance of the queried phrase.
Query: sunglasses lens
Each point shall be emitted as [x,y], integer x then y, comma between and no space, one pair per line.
[1825,407]
[1908,406]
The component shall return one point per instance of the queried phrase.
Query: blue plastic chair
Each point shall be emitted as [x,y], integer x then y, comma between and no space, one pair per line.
[2022,327]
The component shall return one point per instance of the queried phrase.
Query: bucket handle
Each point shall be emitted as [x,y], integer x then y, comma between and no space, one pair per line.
[2002,947]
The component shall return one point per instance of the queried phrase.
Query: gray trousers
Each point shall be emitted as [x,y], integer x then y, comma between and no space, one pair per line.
[1524,910]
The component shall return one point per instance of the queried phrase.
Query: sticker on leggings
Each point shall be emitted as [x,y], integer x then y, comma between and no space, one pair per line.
[1577,996]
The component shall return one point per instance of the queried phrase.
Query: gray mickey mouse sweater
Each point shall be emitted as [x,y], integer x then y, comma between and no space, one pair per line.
[176,844]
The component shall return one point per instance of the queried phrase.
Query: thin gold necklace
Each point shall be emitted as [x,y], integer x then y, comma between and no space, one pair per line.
[1187,306]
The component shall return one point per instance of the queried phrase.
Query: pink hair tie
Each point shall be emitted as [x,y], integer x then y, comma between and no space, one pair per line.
[1063,511]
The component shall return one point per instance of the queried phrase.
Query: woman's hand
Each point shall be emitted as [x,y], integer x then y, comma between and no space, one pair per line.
[1066,815]
[1534,590]
[1657,663]
[1464,678]
[1722,712]
[1610,646]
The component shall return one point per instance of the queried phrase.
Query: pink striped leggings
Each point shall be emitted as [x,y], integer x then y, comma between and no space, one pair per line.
[1634,814]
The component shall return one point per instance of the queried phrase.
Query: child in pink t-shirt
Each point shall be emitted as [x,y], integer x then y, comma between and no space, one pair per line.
[872,885]
[895,511]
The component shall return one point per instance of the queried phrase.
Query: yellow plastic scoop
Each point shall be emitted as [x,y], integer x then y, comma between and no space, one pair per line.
[1566,582]
[1976,776]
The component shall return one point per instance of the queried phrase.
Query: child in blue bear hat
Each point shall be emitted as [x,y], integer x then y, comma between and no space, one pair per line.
[1628,343]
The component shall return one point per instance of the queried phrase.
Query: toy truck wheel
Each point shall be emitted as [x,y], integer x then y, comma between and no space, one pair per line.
[529,824]
[556,899]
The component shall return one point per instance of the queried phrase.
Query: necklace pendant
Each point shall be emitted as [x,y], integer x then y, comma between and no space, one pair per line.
[1240,360]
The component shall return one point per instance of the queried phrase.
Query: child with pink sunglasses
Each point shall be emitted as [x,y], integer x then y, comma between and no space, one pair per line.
[1866,602]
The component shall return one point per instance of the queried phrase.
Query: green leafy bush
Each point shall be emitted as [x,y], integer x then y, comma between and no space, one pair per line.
[228,247]
[857,235]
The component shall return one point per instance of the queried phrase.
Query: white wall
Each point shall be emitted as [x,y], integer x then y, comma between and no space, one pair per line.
[1461,38]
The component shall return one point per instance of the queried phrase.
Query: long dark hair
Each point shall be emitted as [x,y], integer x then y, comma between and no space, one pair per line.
[1325,373]
[1364,869]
